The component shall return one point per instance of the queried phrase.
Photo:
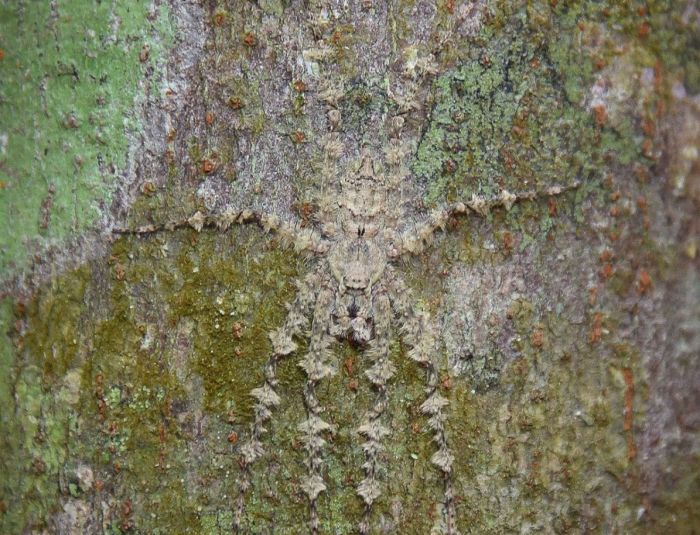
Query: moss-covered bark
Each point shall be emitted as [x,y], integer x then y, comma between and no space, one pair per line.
[569,327]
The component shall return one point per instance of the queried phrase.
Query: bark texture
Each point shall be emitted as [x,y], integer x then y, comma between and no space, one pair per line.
[569,328]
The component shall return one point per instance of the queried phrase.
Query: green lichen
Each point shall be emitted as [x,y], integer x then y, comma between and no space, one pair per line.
[512,114]
[39,419]
[244,97]
[134,395]
[163,344]
[70,76]
[503,122]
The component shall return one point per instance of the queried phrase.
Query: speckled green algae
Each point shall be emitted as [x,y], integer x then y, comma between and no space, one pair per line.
[69,76]
[196,275]
[510,114]
[221,281]
[104,339]
[105,336]
[37,413]
[154,404]
[550,431]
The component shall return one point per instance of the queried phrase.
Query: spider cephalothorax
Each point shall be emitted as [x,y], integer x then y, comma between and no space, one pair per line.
[356,265]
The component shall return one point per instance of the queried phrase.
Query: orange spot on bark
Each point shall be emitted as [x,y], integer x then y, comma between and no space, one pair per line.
[446,382]
[219,19]
[537,337]
[642,204]
[207,166]
[601,114]
[644,282]
[644,30]
[508,241]
[237,330]
[349,365]
[607,271]
[596,332]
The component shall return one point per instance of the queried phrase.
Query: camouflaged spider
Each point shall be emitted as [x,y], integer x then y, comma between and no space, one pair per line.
[355,294]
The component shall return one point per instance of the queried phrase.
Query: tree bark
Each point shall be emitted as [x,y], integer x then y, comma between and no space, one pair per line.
[568,327]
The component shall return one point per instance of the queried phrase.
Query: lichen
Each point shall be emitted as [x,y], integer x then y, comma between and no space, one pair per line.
[70,77]
[503,119]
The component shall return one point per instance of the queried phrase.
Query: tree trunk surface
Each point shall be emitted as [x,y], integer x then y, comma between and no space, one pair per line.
[566,328]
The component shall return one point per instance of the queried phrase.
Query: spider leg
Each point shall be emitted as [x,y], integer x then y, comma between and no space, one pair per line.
[266,397]
[416,332]
[318,364]
[372,429]
[418,239]
[302,239]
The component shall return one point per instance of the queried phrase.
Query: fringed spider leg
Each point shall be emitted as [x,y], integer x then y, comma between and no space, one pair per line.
[416,332]
[318,364]
[419,238]
[266,397]
[372,429]
[302,239]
